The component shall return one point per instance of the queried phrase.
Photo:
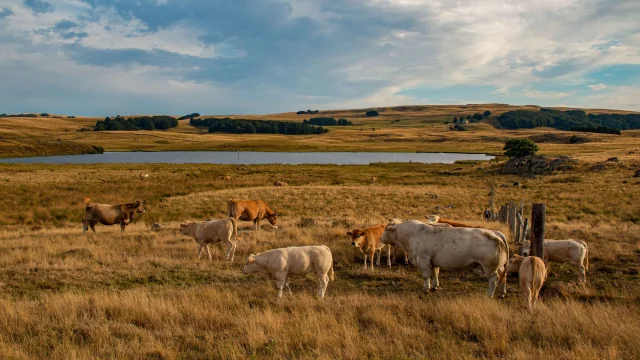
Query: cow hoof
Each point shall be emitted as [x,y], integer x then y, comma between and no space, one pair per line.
[433,289]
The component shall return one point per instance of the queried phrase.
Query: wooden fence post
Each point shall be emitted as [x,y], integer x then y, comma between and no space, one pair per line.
[538,212]
[491,207]
[512,217]
[525,227]
[516,239]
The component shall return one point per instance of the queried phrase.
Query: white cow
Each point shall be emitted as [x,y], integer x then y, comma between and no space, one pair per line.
[281,263]
[432,247]
[574,251]
[212,231]
[532,274]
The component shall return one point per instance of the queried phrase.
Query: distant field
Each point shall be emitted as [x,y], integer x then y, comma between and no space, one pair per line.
[403,128]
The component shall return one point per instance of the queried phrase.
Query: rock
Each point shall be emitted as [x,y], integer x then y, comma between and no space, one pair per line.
[516,183]
[637,174]
[450,206]
[156,226]
[535,165]
[613,159]
[599,167]
[433,196]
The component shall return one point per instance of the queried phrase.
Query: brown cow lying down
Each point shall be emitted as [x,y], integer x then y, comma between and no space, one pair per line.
[295,260]
[212,231]
[532,274]
[251,210]
[107,214]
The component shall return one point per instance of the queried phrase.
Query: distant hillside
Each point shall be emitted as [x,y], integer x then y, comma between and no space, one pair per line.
[576,120]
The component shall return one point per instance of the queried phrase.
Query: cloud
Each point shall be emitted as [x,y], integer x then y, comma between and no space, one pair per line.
[280,55]
[38,6]
[598,87]
[5,11]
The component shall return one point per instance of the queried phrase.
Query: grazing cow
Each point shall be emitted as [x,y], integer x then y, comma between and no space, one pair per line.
[561,251]
[225,178]
[432,247]
[281,263]
[213,231]
[368,241]
[486,215]
[532,273]
[251,210]
[280,183]
[109,214]
[144,176]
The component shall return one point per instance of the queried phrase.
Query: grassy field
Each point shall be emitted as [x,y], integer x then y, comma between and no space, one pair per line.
[402,128]
[144,295]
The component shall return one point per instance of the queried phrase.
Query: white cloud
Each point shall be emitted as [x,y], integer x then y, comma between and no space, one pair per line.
[598,87]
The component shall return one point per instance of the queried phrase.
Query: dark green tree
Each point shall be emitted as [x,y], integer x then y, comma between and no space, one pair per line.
[520,147]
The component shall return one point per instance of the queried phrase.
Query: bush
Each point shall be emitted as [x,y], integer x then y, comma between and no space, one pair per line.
[137,123]
[486,113]
[327,121]
[599,129]
[458,127]
[566,120]
[44,114]
[71,117]
[520,147]
[372,113]
[190,116]
[306,222]
[243,126]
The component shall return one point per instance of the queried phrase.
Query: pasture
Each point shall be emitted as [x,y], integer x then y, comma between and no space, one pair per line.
[144,295]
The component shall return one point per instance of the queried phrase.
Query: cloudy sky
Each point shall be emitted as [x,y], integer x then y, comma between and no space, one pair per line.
[106,57]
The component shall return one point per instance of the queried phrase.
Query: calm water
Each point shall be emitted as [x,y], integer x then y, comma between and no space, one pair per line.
[232,157]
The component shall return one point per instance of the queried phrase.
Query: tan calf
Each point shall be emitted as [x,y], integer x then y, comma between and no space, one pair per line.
[368,241]
[532,274]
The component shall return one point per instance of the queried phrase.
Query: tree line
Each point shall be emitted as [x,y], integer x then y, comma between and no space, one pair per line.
[243,126]
[327,121]
[160,122]
[572,120]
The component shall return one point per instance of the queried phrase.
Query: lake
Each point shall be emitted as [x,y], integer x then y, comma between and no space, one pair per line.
[249,157]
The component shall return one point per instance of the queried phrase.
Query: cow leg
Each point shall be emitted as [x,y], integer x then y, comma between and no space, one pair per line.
[208,252]
[424,264]
[582,274]
[281,280]
[502,280]
[288,288]
[323,282]
[388,255]
[406,258]
[372,256]
[435,283]
[93,226]
[526,294]
[492,276]
[379,256]
[122,225]
[85,227]
[200,252]
[233,250]
[365,261]
[256,224]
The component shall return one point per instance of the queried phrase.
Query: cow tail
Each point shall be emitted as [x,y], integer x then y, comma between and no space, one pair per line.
[503,276]
[586,255]
[331,274]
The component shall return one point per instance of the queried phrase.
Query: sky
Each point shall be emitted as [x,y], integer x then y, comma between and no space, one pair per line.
[108,57]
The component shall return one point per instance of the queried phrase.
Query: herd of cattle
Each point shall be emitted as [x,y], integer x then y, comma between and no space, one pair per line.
[430,245]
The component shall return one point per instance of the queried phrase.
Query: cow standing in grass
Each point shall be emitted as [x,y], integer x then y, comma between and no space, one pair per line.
[575,252]
[251,210]
[368,241]
[532,274]
[212,231]
[107,214]
[432,247]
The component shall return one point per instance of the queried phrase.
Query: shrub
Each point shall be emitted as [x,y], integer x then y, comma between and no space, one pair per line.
[44,114]
[520,147]
[327,121]
[458,127]
[306,222]
[372,113]
[190,116]
[486,113]
[137,123]
[71,117]
[242,126]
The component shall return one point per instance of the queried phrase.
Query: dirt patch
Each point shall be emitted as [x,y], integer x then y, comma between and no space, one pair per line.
[536,165]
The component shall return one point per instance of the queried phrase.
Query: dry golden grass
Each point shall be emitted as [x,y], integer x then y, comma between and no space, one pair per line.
[144,295]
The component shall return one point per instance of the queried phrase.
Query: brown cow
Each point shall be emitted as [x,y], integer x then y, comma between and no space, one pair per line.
[368,241]
[107,214]
[251,210]
[532,274]
[435,219]
[280,183]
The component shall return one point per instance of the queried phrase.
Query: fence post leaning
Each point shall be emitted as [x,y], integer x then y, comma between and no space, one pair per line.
[512,217]
[538,212]
[516,239]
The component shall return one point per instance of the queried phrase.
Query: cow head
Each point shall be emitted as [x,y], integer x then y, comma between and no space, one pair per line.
[251,266]
[273,218]
[389,235]
[513,265]
[138,206]
[357,237]
[186,227]
[432,219]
